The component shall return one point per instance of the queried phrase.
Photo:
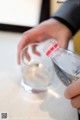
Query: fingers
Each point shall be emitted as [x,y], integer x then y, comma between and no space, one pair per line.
[27,38]
[75,102]
[73,93]
[24,41]
[35,51]
[73,90]
[26,54]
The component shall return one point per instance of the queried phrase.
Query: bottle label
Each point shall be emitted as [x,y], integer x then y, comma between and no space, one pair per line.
[52,49]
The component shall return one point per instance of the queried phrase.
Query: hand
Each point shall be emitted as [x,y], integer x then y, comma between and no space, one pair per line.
[73,93]
[48,29]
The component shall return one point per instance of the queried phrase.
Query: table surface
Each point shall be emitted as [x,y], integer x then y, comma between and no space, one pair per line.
[20,105]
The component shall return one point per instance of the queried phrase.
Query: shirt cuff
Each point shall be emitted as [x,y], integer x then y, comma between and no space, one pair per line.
[65,23]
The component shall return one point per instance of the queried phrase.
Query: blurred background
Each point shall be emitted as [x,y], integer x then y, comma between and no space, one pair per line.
[22,15]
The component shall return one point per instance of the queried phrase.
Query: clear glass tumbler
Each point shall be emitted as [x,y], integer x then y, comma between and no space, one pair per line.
[36,68]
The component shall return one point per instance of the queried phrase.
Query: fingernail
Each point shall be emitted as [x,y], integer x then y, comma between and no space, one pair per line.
[66,94]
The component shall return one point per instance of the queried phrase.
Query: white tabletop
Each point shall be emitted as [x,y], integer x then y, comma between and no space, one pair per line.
[20,105]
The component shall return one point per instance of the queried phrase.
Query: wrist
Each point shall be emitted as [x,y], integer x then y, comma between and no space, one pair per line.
[66,23]
[56,27]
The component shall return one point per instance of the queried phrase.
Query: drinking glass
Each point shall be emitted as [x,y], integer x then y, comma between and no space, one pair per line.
[36,68]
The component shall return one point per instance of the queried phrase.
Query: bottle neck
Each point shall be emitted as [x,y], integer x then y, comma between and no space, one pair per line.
[56,53]
[52,48]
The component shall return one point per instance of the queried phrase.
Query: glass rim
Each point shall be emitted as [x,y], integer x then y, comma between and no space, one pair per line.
[21,58]
[39,43]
